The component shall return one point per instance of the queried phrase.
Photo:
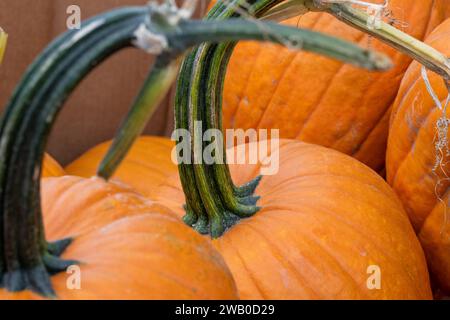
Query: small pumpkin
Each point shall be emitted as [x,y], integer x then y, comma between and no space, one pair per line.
[325,220]
[319,100]
[415,169]
[135,170]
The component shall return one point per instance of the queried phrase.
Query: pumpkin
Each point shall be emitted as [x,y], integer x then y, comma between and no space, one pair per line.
[318,100]
[414,168]
[106,235]
[325,219]
[135,170]
[128,247]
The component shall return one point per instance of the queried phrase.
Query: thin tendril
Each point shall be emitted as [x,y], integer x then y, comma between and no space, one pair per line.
[441,145]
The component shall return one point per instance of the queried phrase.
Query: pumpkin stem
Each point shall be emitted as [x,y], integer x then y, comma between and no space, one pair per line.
[158,83]
[26,259]
[199,98]
[206,69]
[173,39]
[213,202]
[376,27]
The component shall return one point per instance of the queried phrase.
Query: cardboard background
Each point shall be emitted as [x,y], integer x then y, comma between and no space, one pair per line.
[94,111]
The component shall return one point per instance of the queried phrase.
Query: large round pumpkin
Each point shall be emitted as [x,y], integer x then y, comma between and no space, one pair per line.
[320,100]
[327,221]
[413,166]
[128,247]
[147,165]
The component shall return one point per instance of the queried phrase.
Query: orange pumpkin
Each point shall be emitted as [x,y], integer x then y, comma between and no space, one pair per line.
[128,247]
[147,165]
[319,100]
[51,167]
[413,168]
[326,220]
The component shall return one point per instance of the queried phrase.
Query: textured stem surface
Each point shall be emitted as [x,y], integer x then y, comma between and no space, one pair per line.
[416,49]
[26,259]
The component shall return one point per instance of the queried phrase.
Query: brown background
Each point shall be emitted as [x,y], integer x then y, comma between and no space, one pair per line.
[95,110]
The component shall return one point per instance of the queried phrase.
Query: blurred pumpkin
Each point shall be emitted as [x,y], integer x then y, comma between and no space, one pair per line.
[147,165]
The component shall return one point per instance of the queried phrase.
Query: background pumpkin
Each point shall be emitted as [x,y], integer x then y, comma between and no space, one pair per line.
[325,219]
[147,165]
[411,160]
[319,100]
[128,246]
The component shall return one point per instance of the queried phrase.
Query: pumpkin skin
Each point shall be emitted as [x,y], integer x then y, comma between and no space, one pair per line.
[146,166]
[129,247]
[51,167]
[320,100]
[411,158]
[325,219]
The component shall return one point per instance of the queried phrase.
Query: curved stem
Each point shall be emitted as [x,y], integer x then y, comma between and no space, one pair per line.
[26,259]
[194,33]
[215,58]
[191,33]
[213,202]
[158,83]
[416,49]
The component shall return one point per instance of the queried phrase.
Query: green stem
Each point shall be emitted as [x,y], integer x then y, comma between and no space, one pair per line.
[191,33]
[26,259]
[214,60]
[416,49]
[158,83]
[213,203]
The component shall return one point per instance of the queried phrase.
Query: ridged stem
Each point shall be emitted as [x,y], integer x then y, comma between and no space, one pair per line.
[416,49]
[26,259]
[213,202]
